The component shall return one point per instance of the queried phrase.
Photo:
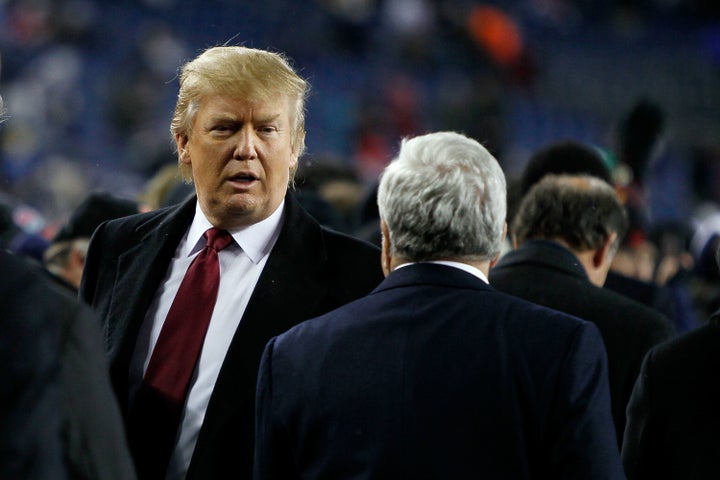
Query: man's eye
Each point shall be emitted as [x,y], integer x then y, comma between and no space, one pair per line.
[267,129]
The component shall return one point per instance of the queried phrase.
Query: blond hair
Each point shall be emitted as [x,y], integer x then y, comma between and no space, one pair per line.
[250,73]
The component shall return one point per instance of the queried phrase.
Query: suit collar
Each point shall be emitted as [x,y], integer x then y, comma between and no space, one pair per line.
[431,274]
[544,253]
[174,222]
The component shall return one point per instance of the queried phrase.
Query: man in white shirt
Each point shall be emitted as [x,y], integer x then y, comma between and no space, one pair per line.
[239,131]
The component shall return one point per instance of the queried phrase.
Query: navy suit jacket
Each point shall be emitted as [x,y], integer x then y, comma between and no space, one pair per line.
[436,375]
[548,274]
[673,429]
[310,271]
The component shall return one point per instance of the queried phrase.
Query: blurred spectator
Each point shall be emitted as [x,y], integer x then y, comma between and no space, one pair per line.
[675,267]
[65,257]
[703,245]
[640,139]
[86,78]
[329,190]
[654,250]
[15,234]
[166,187]
[29,245]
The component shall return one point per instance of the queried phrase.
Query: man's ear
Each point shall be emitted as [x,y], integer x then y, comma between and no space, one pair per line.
[495,260]
[293,164]
[385,257]
[497,256]
[604,253]
[76,258]
[181,141]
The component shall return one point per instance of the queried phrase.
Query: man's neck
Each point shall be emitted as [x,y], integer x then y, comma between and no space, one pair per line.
[596,274]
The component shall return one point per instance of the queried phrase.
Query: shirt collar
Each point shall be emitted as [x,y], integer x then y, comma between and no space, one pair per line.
[256,240]
[462,266]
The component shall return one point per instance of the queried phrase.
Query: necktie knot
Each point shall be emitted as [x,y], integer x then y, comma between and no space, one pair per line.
[217,239]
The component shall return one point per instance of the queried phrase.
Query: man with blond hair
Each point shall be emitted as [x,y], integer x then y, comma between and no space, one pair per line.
[184,370]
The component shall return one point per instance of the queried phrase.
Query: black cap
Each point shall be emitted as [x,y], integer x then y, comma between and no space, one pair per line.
[564,157]
[94,210]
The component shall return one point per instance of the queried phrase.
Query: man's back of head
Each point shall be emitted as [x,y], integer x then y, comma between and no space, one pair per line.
[443,197]
[581,212]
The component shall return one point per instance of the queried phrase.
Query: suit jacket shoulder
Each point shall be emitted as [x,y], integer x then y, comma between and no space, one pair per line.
[550,275]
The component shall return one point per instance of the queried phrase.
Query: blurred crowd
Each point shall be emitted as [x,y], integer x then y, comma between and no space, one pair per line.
[89,88]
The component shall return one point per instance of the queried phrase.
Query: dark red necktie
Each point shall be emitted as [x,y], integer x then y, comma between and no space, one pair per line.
[156,412]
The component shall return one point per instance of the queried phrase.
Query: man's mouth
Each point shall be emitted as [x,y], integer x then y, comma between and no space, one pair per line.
[243,178]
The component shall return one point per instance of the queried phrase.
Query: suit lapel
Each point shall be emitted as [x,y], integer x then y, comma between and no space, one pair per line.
[140,270]
[297,260]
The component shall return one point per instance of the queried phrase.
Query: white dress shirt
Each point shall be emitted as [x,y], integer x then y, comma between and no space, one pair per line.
[241,264]
[462,266]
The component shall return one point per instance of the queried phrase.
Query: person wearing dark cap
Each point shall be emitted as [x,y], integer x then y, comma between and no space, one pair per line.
[65,257]
[565,156]
[575,158]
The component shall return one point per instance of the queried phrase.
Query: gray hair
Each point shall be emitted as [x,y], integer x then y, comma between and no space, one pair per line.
[443,197]
[581,210]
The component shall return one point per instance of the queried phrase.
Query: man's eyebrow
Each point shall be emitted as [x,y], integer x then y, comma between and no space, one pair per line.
[227,117]
[224,117]
[271,117]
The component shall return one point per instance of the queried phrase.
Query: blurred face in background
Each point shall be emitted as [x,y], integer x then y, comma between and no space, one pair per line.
[241,155]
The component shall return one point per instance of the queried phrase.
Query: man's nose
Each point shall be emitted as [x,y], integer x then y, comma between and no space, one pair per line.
[245,146]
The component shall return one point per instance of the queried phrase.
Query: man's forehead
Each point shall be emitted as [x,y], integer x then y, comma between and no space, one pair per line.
[241,107]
